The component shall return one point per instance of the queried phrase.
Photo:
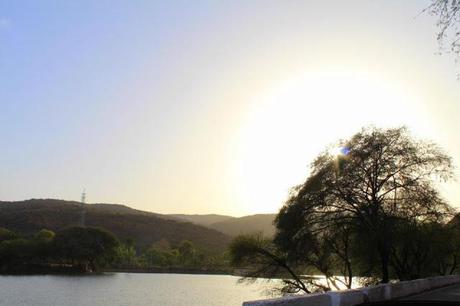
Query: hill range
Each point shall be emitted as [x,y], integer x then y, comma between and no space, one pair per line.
[211,232]
[233,226]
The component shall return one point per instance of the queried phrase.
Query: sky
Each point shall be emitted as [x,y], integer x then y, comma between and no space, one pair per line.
[209,106]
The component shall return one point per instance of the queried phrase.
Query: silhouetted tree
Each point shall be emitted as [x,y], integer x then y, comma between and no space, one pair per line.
[260,257]
[353,211]
[444,242]
[381,177]
[424,249]
[308,244]
[448,14]
[43,245]
[86,245]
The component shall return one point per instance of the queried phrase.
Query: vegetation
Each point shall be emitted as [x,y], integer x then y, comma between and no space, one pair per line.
[369,210]
[145,229]
[72,249]
[448,14]
[89,249]
[247,224]
[206,220]
[176,258]
[372,210]
[233,226]
[146,241]
[87,246]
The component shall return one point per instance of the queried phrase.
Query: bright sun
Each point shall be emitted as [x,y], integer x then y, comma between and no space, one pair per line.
[288,126]
[336,151]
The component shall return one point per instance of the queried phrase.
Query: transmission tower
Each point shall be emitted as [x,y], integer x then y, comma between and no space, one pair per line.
[83,209]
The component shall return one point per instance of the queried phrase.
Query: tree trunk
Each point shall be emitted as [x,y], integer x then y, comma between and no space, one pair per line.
[385,273]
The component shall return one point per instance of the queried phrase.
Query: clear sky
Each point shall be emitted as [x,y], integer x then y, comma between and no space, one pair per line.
[208,106]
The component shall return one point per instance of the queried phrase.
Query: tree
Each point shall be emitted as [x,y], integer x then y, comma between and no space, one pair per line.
[424,249]
[87,246]
[43,242]
[187,253]
[125,256]
[444,240]
[380,177]
[6,234]
[448,14]
[45,235]
[369,211]
[262,258]
[314,248]
[15,253]
[155,257]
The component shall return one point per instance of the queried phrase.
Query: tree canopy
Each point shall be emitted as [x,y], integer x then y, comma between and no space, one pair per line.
[354,207]
[86,245]
[448,14]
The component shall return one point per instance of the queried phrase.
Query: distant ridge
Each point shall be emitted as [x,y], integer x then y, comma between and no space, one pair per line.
[145,228]
[205,220]
[233,226]
[246,225]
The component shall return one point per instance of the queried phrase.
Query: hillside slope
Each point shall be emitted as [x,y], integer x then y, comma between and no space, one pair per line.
[247,225]
[145,228]
[205,220]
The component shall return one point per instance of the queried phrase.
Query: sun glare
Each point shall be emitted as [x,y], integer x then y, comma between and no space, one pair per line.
[337,151]
[288,126]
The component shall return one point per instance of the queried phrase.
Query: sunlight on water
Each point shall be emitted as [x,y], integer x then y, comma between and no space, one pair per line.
[128,289]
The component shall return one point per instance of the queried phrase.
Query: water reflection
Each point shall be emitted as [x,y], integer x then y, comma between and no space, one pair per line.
[128,289]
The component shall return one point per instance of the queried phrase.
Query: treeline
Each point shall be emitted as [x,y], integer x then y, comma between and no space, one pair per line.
[74,249]
[370,209]
[418,250]
[163,254]
[90,249]
[125,223]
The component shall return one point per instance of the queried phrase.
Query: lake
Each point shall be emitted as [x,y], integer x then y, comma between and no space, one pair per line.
[128,289]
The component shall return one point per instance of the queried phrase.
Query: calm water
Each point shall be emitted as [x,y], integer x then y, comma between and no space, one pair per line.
[127,289]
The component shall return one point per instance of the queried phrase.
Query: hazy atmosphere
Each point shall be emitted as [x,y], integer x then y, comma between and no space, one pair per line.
[254,153]
[209,106]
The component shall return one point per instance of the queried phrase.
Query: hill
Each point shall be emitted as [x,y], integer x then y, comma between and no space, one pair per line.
[246,225]
[233,226]
[145,228]
[205,220]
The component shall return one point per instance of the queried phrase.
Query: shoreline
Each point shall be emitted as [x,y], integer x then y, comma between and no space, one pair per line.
[169,270]
[72,270]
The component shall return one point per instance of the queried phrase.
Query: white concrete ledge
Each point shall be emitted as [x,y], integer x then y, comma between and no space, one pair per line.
[311,299]
[357,296]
